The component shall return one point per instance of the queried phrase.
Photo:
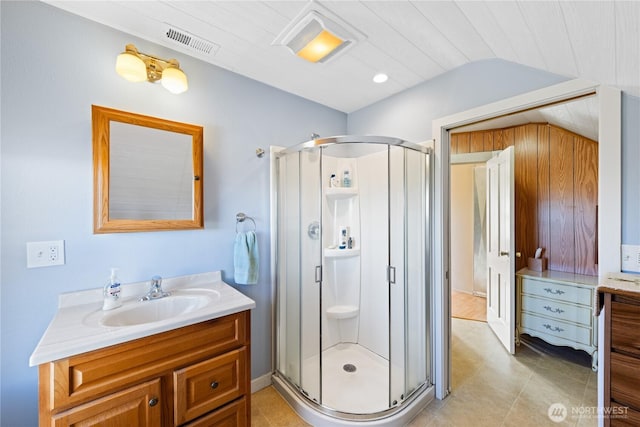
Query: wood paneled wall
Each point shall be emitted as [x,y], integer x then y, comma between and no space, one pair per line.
[556,186]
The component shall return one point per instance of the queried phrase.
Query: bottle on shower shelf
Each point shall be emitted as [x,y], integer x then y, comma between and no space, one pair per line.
[334,181]
[346,178]
[343,237]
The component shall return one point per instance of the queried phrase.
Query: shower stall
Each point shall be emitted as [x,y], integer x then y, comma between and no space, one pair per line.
[352,279]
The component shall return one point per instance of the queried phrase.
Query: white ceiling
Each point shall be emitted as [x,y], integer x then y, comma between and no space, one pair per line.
[411,41]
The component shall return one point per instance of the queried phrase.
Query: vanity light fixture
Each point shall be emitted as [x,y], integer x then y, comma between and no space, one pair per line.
[138,67]
[317,37]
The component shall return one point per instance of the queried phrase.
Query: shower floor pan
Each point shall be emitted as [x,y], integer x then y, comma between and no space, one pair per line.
[364,390]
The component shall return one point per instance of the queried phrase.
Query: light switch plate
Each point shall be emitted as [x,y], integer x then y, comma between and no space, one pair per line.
[631,258]
[45,254]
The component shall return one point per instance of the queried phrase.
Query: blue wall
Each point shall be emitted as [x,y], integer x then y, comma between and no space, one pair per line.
[54,66]
[409,115]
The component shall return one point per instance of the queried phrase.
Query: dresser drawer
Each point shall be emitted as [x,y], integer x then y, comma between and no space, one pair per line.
[205,386]
[557,310]
[625,327]
[556,328]
[560,292]
[625,380]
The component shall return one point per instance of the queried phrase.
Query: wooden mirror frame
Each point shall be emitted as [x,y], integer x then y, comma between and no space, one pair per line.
[101,124]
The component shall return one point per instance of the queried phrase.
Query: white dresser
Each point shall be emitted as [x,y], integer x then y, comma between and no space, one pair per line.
[558,308]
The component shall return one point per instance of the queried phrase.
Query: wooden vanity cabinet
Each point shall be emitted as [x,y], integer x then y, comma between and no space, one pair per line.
[197,375]
[622,358]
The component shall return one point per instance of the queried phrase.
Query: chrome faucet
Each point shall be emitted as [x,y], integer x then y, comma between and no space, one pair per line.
[155,291]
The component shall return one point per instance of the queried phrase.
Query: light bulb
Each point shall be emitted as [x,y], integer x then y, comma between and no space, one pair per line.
[131,67]
[174,80]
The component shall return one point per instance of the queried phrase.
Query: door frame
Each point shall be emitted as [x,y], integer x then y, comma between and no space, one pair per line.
[609,201]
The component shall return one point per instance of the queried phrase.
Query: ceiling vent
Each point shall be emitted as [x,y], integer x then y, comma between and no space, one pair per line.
[190,41]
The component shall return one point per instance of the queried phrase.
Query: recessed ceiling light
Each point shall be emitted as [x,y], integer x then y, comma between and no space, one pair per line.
[380,78]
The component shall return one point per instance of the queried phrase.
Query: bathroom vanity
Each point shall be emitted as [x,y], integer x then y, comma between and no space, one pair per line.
[190,369]
[619,303]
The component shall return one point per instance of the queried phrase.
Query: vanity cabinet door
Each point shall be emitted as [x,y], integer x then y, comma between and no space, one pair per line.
[140,405]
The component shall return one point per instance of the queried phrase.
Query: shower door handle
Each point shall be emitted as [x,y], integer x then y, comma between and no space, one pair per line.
[318,273]
[391,274]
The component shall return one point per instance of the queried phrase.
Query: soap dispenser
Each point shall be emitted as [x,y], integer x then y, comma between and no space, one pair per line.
[111,292]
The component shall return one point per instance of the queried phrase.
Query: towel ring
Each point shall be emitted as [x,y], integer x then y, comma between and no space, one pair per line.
[241,217]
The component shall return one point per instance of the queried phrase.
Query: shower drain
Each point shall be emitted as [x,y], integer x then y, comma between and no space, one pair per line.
[349,367]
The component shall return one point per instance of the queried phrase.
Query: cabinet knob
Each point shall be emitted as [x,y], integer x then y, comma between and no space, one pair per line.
[214,384]
[153,401]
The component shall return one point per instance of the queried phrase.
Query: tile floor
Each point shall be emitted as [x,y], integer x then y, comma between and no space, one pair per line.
[490,388]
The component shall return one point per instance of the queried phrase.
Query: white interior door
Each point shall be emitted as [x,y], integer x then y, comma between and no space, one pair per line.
[501,248]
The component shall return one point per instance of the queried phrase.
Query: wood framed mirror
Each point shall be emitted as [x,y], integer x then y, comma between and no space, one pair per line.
[147,173]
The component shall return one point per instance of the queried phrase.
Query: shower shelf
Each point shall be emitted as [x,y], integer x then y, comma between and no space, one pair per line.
[341,253]
[342,311]
[341,192]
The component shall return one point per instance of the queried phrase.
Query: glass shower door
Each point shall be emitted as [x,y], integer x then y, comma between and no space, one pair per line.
[408,261]
[299,258]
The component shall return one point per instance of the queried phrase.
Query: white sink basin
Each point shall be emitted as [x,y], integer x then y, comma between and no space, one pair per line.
[139,312]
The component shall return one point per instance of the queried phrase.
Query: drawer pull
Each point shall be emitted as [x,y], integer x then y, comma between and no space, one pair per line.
[553,328]
[554,291]
[153,401]
[554,310]
[214,385]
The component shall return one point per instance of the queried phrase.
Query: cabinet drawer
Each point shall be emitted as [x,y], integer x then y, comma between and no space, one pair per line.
[624,416]
[557,291]
[625,380]
[557,328]
[625,330]
[557,310]
[232,415]
[205,386]
[136,406]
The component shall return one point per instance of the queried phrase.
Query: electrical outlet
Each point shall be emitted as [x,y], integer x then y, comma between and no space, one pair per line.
[631,258]
[45,254]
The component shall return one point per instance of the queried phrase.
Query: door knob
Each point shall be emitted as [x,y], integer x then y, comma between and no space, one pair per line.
[503,253]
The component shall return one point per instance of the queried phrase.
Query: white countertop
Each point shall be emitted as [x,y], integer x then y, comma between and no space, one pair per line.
[69,333]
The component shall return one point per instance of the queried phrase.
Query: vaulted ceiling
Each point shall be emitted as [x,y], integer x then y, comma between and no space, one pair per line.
[411,41]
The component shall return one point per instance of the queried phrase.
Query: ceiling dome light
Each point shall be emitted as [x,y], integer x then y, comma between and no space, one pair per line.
[130,66]
[380,78]
[317,35]
[173,79]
